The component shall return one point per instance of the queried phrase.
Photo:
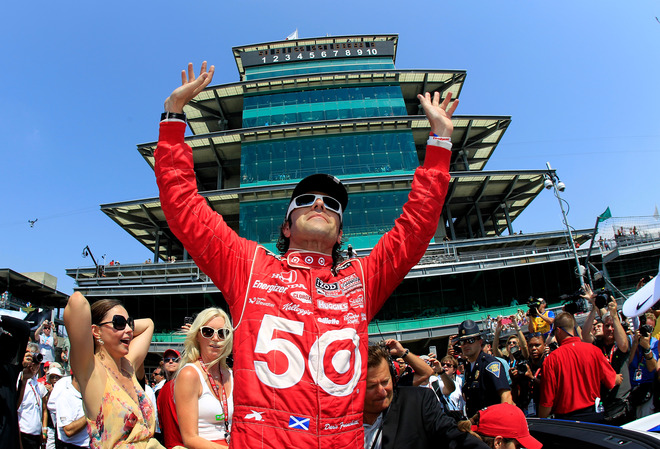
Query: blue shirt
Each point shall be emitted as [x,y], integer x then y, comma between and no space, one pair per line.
[639,362]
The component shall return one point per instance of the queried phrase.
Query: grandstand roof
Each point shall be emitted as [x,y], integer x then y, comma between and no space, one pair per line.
[469,192]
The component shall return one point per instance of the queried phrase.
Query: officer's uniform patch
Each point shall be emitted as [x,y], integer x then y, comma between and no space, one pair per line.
[494,367]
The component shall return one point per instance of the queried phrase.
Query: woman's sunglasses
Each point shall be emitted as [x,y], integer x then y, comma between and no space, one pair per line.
[208,332]
[309,199]
[119,322]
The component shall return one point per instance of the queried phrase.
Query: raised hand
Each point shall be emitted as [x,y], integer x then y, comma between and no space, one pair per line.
[190,87]
[439,114]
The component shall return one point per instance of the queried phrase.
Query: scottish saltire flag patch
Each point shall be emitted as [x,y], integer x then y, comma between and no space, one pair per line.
[296,422]
[494,367]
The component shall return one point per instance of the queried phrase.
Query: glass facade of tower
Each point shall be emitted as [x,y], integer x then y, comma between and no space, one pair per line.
[345,155]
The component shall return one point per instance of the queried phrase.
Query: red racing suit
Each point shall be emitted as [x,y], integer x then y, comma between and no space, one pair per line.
[300,341]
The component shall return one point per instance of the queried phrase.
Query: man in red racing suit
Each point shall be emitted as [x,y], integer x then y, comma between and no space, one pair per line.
[300,342]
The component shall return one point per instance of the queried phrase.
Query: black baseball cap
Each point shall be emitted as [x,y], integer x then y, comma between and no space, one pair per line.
[322,182]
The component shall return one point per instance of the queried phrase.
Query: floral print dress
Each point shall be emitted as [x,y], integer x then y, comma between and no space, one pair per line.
[121,423]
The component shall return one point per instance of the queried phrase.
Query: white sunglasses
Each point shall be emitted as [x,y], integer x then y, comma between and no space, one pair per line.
[308,199]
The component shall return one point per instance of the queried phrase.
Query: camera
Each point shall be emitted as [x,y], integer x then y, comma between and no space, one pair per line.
[602,297]
[533,305]
[574,303]
[521,361]
[645,330]
[37,357]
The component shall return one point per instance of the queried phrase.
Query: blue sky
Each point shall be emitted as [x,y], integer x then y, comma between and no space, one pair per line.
[84,82]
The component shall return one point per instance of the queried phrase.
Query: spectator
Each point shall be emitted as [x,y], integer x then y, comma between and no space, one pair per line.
[527,376]
[158,378]
[404,416]
[615,346]
[204,386]
[449,387]
[167,417]
[643,365]
[53,376]
[14,334]
[45,336]
[64,357]
[540,320]
[485,382]
[171,363]
[30,411]
[572,376]
[420,370]
[106,348]
[71,421]
[516,345]
[270,295]
[501,426]
[51,405]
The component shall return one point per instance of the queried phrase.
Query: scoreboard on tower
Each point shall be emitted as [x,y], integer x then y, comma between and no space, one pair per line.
[316,52]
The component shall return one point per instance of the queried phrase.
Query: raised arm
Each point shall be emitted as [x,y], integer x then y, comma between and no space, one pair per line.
[212,244]
[39,329]
[620,336]
[78,323]
[139,346]
[496,338]
[522,341]
[422,370]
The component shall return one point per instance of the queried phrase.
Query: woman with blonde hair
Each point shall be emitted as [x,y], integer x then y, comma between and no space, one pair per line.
[203,391]
[106,347]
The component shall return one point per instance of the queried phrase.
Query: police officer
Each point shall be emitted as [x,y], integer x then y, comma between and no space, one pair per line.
[485,380]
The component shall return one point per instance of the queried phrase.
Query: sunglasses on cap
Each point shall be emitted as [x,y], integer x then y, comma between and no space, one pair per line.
[208,332]
[468,341]
[172,359]
[308,199]
[119,322]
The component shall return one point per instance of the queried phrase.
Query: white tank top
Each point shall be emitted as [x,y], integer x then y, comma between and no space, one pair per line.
[208,427]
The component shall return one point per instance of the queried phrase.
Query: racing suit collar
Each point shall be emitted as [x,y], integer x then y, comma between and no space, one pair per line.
[308,259]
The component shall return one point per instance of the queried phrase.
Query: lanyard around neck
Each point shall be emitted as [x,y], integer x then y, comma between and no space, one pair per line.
[216,390]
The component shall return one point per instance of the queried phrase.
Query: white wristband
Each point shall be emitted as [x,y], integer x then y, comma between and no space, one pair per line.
[439,142]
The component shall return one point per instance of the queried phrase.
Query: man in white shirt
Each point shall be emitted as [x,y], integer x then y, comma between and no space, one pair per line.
[71,421]
[30,409]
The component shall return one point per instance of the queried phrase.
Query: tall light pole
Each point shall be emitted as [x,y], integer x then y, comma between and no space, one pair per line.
[552,182]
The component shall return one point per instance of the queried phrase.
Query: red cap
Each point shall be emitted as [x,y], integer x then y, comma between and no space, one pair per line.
[171,351]
[507,421]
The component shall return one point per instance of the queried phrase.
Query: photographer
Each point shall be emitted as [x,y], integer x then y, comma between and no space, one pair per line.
[540,320]
[45,336]
[615,346]
[643,364]
[30,409]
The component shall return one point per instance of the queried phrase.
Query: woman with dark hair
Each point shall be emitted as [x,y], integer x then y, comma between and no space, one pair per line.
[501,426]
[204,386]
[106,347]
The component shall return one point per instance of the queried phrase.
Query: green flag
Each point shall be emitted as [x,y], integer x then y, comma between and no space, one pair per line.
[605,215]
